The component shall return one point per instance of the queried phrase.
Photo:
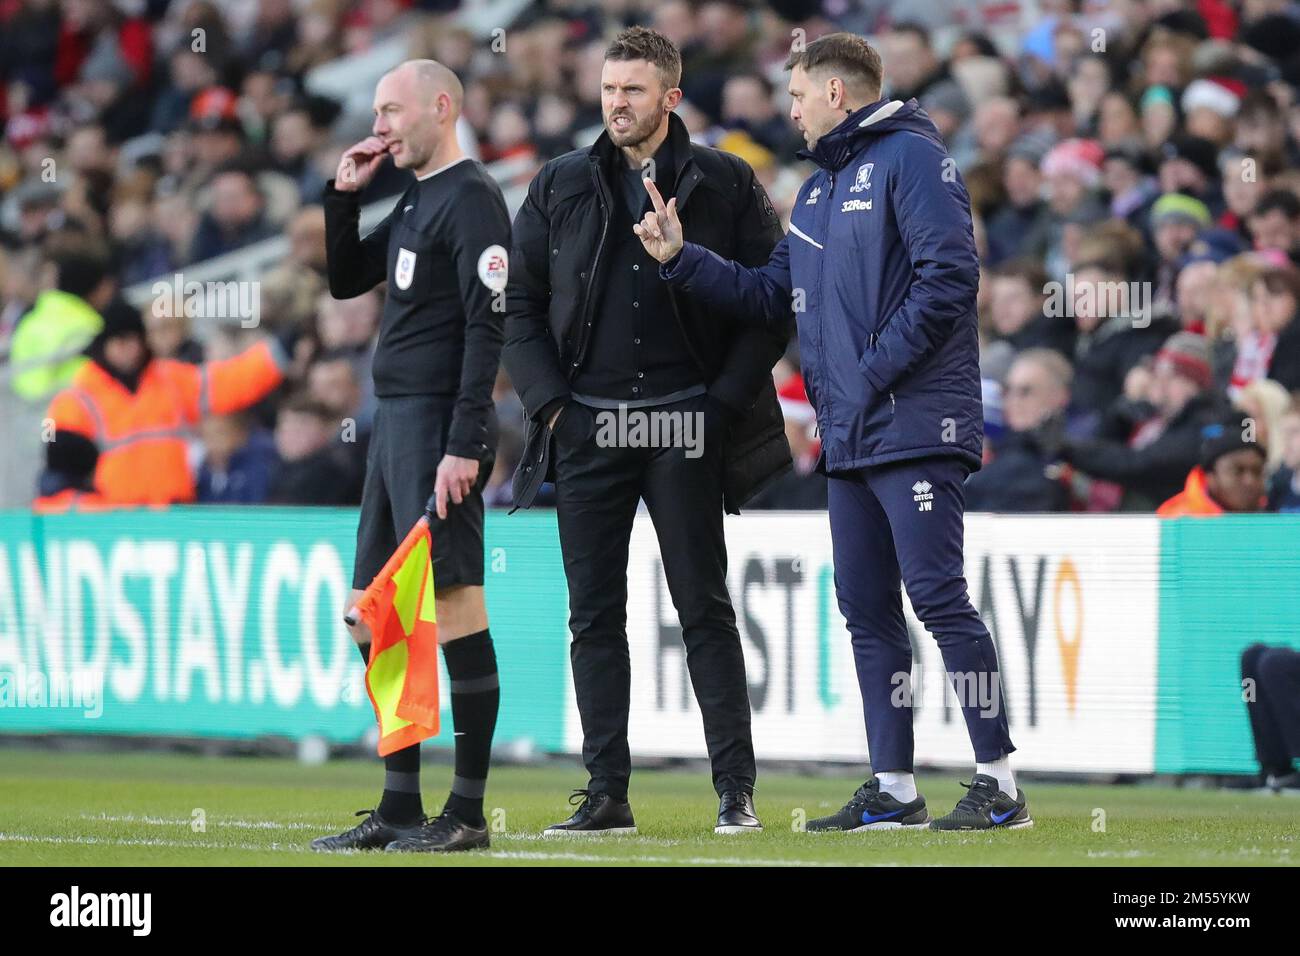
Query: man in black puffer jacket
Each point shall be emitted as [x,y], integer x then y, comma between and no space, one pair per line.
[597,344]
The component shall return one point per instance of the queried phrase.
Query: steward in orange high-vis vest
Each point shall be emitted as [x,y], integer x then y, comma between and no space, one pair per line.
[1229,479]
[139,410]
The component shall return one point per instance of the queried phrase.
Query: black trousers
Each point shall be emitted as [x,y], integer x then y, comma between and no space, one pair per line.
[598,487]
[1275,710]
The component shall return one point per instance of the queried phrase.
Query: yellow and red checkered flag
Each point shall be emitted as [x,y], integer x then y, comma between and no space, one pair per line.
[402,674]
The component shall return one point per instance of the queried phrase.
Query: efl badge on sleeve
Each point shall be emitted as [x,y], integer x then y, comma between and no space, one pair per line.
[404,272]
[493,268]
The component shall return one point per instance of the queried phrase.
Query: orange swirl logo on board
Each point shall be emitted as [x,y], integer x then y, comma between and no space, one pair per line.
[1068,575]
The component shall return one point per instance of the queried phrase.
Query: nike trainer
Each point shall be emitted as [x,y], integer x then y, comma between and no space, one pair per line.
[872,809]
[985,807]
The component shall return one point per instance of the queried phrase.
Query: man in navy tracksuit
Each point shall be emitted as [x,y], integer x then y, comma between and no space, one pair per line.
[880,271]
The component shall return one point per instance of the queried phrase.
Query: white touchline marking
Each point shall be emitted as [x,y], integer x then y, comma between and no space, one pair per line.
[613,859]
[179,844]
[237,824]
[639,840]
[622,858]
[495,853]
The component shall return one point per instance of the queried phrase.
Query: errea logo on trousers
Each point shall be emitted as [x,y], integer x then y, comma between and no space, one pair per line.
[855,205]
[924,497]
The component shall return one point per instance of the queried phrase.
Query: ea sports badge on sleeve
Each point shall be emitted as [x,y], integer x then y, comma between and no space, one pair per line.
[493,267]
[404,271]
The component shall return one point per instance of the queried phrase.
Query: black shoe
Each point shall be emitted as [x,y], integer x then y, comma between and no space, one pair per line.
[870,809]
[599,815]
[372,833]
[445,833]
[985,807]
[736,813]
[1288,783]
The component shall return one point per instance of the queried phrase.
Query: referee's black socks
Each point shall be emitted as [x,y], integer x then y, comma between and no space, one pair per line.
[475,694]
[400,803]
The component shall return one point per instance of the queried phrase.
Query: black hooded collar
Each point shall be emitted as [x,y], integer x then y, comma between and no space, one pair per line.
[834,150]
[677,180]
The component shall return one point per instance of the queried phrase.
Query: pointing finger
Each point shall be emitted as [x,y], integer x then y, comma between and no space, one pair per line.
[656,199]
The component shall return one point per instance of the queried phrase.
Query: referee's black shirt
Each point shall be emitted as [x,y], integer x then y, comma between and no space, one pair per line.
[443,252]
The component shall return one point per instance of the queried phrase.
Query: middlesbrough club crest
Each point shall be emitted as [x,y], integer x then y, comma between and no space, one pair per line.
[862,181]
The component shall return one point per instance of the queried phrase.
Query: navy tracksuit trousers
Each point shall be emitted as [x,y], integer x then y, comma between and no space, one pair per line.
[904,522]
[1275,707]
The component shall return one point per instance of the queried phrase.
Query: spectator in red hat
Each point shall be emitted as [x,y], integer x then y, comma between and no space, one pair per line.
[1153,464]
[1072,177]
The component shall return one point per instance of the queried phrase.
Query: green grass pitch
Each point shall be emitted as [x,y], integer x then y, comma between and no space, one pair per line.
[73,809]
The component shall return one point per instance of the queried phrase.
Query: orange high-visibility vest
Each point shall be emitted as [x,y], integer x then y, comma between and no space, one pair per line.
[142,435]
[69,500]
[1194,499]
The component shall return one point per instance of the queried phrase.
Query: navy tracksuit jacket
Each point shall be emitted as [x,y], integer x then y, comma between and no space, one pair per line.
[880,272]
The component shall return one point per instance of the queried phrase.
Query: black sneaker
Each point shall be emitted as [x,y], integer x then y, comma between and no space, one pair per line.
[445,833]
[985,807]
[1288,784]
[736,813]
[1253,783]
[871,809]
[598,815]
[372,833]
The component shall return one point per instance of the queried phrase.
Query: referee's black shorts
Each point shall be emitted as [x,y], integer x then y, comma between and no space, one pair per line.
[407,441]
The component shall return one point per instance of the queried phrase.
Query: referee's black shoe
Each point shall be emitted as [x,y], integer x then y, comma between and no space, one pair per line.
[372,833]
[986,807]
[870,808]
[736,813]
[445,833]
[599,814]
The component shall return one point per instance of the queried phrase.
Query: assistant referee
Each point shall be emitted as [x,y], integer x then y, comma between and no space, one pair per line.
[443,253]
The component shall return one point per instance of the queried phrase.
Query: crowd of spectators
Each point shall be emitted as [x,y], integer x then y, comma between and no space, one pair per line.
[1133,166]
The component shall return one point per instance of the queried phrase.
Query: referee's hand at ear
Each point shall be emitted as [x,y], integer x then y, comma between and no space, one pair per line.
[359,164]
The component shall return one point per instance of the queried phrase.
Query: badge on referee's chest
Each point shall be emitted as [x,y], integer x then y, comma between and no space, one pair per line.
[404,271]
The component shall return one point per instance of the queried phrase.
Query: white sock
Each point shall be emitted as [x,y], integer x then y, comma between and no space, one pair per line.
[1001,769]
[899,785]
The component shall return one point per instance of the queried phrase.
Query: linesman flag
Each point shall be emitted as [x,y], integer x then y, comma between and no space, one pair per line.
[402,674]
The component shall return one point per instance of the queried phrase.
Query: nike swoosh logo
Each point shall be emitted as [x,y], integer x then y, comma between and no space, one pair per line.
[1003,817]
[868,818]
